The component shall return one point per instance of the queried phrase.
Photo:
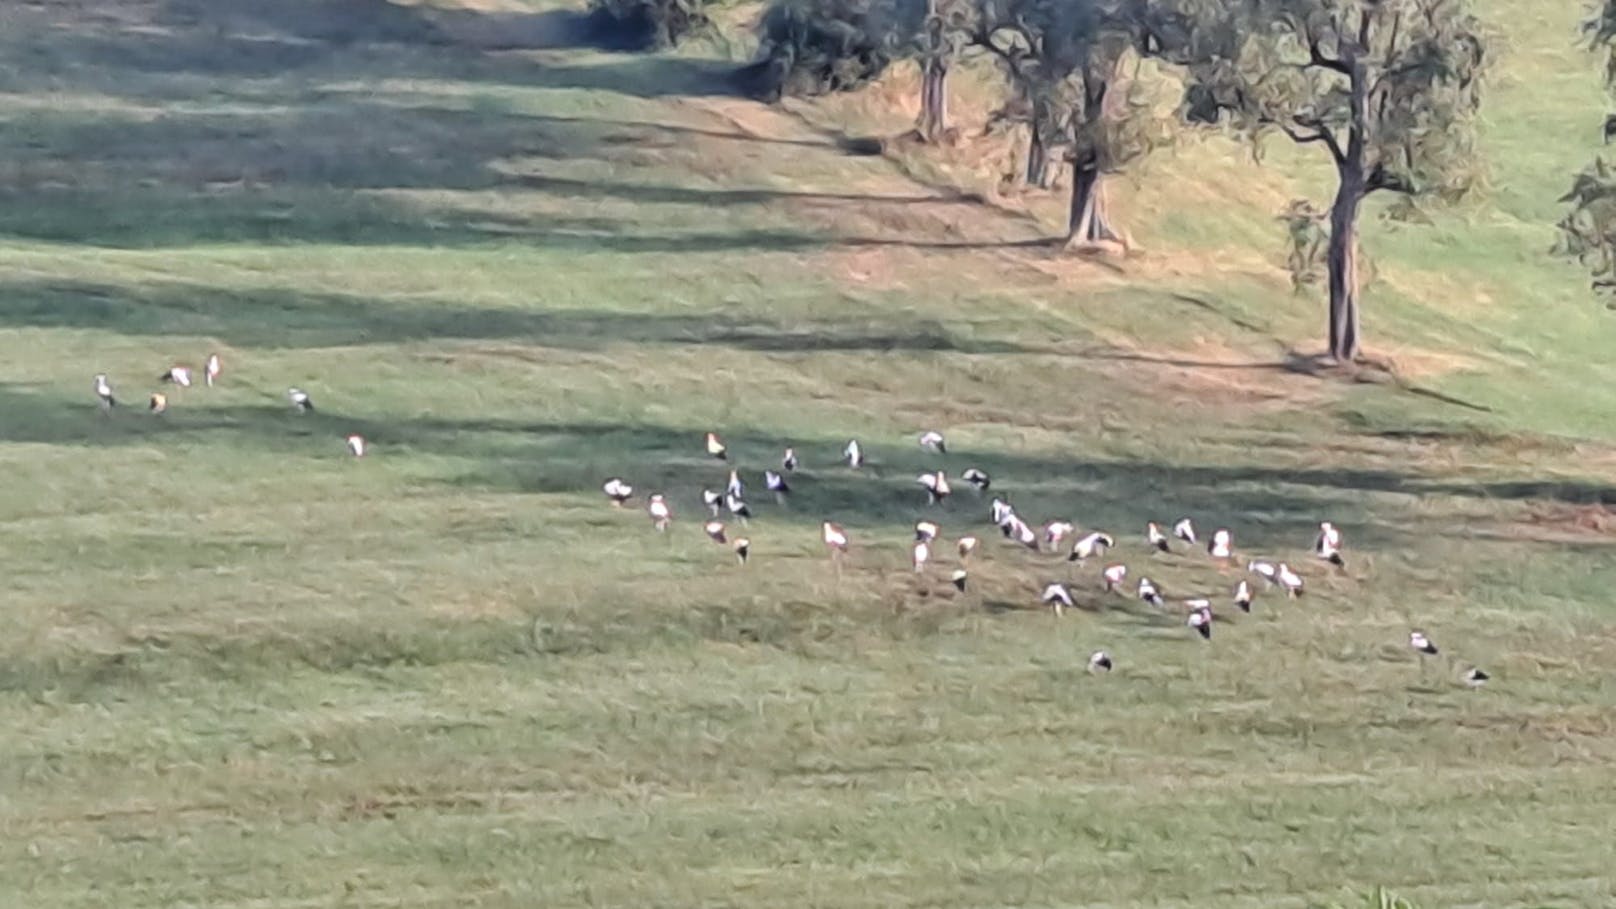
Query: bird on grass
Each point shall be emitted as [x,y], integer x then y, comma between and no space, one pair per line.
[1057,596]
[1242,596]
[356,445]
[1421,643]
[1022,532]
[618,491]
[788,461]
[776,483]
[1090,546]
[213,369]
[715,531]
[967,545]
[1200,621]
[735,487]
[853,454]
[1114,575]
[1056,531]
[958,579]
[835,538]
[1268,571]
[978,478]
[1099,661]
[716,448]
[1156,538]
[103,391]
[159,402]
[179,375]
[1000,511]
[300,399]
[1221,546]
[932,440]
[743,548]
[713,500]
[737,507]
[926,531]
[1475,678]
[1290,580]
[1185,530]
[661,514]
[1328,545]
[1149,593]
[936,486]
[920,555]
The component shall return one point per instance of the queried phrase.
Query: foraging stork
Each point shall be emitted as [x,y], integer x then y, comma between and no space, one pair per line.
[1268,571]
[1055,531]
[1200,621]
[743,548]
[978,478]
[1221,546]
[715,531]
[1094,544]
[788,462]
[936,486]
[103,390]
[967,545]
[1022,533]
[1058,596]
[835,538]
[926,531]
[712,500]
[1002,512]
[1149,593]
[1114,575]
[735,487]
[300,399]
[776,483]
[213,369]
[1099,661]
[932,440]
[1421,643]
[958,579]
[1475,678]
[853,454]
[618,491]
[1290,580]
[1185,530]
[1155,537]
[716,448]
[179,375]
[661,514]
[356,445]
[1328,545]
[1242,596]
[737,507]
[159,402]
[920,555]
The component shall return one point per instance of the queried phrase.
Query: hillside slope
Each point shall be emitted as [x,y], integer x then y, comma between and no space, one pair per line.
[243,668]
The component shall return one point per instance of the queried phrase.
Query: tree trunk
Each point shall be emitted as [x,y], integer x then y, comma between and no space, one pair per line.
[933,100]
[1088,219]
[1343,262]
[1037,160]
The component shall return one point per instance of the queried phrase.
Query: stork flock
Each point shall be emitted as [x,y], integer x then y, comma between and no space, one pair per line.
[1181,538]
[180,376]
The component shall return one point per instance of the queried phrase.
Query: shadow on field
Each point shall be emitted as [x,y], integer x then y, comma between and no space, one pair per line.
[271,318]
[254,121]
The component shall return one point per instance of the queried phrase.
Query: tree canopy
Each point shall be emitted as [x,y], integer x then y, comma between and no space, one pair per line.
[1588,231]
[1390,88]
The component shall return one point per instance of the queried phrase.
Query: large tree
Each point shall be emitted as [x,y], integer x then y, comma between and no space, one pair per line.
[1073,67]
[940,39]
[1390,88]
[1588,231]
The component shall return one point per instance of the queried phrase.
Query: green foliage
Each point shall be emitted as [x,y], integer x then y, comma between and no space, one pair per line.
[1588,229]
[1306,236]
[649,23]
[815,47]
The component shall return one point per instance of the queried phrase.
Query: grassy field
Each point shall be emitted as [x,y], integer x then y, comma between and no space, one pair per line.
[241,668]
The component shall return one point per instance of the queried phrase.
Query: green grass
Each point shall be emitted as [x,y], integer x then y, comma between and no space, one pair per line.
[243,669]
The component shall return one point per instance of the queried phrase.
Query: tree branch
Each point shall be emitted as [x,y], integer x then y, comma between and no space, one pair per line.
[1317,58]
